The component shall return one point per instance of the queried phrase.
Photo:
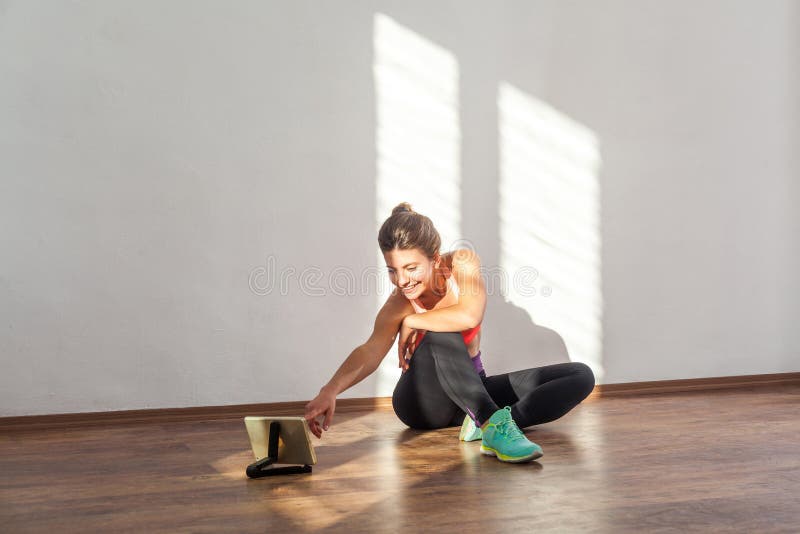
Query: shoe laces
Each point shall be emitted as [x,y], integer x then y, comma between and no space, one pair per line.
[509,428]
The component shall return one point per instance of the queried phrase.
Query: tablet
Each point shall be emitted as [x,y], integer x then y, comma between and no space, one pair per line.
[294,439]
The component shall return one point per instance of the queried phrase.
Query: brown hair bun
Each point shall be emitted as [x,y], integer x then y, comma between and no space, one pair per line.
[402,207]
[406,229]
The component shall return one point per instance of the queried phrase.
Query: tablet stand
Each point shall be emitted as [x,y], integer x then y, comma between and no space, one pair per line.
[265,468]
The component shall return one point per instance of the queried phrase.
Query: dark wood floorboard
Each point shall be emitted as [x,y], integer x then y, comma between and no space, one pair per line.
[723,461]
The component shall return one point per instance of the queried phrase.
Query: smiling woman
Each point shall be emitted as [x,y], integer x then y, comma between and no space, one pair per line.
[435,313]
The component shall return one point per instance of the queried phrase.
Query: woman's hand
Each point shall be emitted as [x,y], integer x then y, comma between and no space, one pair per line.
[322,404]
[405,344]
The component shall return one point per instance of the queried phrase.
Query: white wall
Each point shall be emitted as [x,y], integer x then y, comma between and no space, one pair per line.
[152,155]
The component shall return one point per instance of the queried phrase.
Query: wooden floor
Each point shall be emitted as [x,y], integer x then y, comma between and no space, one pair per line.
[714,461]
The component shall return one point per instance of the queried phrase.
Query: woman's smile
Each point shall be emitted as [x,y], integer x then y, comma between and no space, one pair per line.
[410,289]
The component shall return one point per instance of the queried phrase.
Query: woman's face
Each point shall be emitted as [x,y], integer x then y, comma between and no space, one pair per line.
[410,270]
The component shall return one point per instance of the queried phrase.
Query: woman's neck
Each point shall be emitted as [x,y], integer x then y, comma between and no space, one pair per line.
[429,300]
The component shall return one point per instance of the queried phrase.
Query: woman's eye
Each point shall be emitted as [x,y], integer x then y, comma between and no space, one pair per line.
[412,270]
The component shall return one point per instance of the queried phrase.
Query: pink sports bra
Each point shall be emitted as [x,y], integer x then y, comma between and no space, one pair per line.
[468,334]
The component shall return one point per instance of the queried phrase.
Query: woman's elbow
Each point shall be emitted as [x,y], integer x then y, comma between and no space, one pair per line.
[473,319]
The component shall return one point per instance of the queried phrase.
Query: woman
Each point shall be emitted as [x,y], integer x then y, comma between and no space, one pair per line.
[436,310]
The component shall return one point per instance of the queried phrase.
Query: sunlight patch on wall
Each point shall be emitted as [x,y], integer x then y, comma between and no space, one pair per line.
[550,220]
[418,142]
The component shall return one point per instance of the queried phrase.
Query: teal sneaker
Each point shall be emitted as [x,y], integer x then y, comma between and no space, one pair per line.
[469,432]
[503,438]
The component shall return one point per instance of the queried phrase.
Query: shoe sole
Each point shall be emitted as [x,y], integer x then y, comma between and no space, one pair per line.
[473,439]
[488,451]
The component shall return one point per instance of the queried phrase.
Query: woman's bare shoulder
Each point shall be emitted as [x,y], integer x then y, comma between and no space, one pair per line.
[461,260]
[397,301]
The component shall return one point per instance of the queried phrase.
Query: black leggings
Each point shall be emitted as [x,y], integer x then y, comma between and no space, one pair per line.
[441,386]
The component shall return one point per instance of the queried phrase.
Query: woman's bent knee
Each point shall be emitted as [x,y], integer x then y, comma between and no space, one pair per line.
[442,343]
[441,338]
[585,379]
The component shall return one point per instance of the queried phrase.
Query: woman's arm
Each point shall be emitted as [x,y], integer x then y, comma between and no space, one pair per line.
[366,358]
[361,363]
[451,319]
[468,313]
